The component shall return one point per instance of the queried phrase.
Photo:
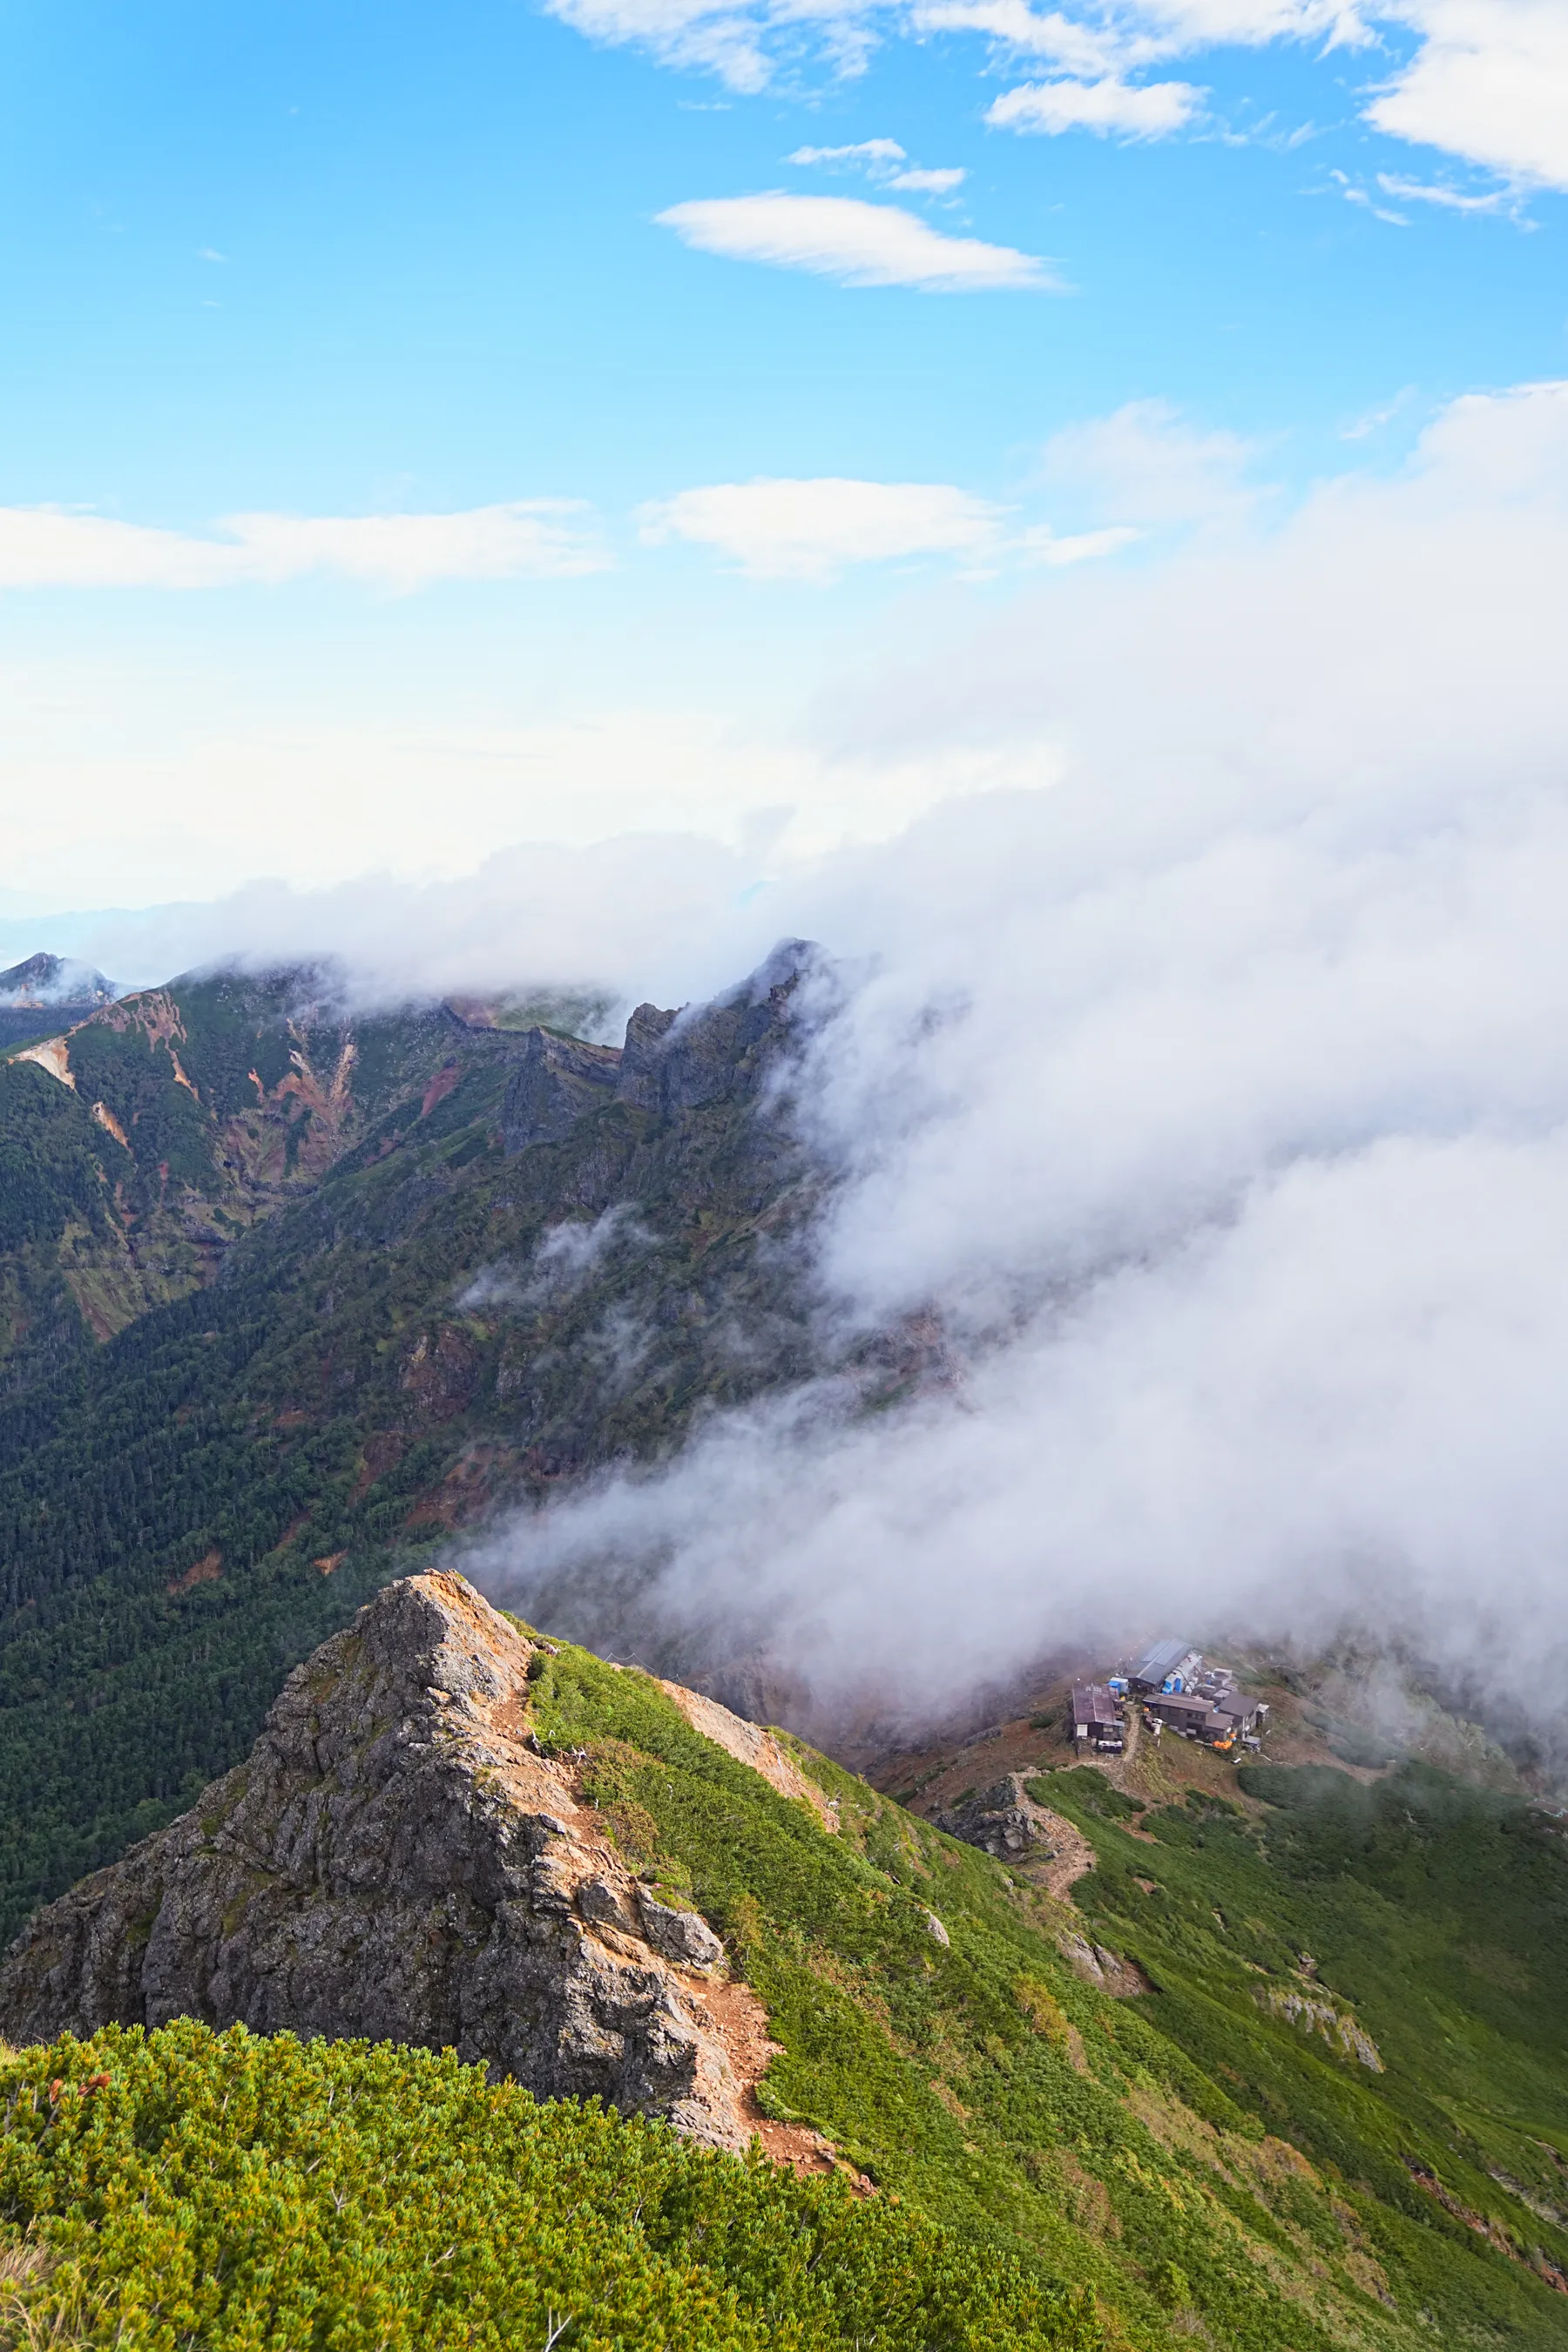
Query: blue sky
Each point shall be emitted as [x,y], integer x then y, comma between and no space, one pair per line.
[323,266]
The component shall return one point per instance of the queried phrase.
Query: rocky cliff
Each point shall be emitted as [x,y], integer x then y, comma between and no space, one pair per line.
[398,1859]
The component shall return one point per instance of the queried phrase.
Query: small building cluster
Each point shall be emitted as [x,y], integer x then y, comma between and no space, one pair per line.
[1175,1688]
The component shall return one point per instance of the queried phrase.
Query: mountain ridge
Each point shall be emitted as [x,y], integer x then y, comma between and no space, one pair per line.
[456,1831]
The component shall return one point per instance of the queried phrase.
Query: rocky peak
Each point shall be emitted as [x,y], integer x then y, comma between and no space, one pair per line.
[671,1062]
[52,980]
[556,1080]
[48,989]
[396,1859]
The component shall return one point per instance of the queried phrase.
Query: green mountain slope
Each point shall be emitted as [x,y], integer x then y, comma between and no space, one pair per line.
[1377,1970]
[1022,2156]
[138,1144]
[493,1259]
[1195,2148]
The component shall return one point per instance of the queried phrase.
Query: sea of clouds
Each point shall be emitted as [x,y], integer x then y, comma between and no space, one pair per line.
[1216,1100]
[1213,1098]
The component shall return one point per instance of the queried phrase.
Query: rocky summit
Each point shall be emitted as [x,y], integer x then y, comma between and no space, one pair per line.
[398,1860]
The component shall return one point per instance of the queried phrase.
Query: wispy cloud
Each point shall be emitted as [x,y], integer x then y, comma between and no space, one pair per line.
[922,183]
[64,547]
[868,153]
[1146,111]
[885,162]
[1373,420]
[1487,81]
[857,243]
[1354,194]
[1456,200]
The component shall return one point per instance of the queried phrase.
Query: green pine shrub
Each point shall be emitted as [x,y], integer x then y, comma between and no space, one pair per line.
[185,2189]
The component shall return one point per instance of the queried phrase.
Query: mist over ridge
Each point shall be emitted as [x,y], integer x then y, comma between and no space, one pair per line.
[1212,1109]
[1204,1103]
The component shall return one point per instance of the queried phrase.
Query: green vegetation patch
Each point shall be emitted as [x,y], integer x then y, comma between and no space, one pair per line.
[980,2076]
[1374,1972]
[1083,1789]
[252,2195]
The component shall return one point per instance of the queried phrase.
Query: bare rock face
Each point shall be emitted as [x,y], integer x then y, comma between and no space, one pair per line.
[1004,1821]
[556,1080]
[394,1860]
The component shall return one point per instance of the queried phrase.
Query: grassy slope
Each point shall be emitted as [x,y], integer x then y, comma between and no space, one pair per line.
[1110,2140]
[1429,1913]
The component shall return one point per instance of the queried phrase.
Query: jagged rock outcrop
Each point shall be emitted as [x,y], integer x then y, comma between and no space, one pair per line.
[670,1062]
[640,1078]
[556,1080]
[396,1860]
[721,1051]
[1004,1821]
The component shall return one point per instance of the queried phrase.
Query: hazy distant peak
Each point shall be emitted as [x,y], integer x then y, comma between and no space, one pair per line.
[45,980]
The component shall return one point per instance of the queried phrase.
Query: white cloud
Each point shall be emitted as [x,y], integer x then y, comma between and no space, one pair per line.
[1490,83]
[811,529]
[922,183]
[1149,111]
[1457,200]
[1488,80]
[873,152]
[1373,420]
[714,35]
[1081,45]
[1353,193]
[62,547]
[857,243]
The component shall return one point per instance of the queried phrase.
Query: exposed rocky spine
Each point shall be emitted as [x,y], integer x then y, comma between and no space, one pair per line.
[397,1860]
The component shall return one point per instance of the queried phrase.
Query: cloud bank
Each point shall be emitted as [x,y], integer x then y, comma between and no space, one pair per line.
[1215,1102]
